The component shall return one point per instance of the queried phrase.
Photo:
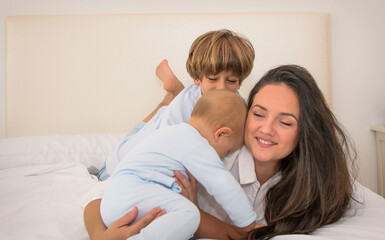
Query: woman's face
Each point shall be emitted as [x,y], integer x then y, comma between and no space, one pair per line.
[271,129]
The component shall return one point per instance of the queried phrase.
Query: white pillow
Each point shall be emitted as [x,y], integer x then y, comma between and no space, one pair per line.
[88,149]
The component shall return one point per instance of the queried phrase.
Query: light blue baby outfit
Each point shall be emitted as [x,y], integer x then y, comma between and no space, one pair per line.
[178,111]
[145,178]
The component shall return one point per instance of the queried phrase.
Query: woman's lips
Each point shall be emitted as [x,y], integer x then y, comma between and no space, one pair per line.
[265,142]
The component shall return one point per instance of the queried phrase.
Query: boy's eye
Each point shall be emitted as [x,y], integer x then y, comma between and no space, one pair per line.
[212,79]
[232,81]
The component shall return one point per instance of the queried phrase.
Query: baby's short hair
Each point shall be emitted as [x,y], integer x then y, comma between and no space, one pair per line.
[218,51]
[222,108]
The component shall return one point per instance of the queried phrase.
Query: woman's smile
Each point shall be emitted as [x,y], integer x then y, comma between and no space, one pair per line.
[265,142]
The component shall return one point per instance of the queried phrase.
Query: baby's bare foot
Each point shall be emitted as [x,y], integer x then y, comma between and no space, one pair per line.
[170,82]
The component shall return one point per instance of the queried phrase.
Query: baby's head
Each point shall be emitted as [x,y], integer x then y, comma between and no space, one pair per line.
[220,51]
[220,116]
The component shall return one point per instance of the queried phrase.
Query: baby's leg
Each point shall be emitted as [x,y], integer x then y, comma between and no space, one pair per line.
[180,221]
[126,191]
[171,84]
[118,197]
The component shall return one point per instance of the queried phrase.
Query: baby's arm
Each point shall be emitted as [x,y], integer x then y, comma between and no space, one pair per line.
[218,182]
[210,226]
[213,228]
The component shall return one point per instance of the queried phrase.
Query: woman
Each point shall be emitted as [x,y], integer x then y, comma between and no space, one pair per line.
[315,171]
[298,156]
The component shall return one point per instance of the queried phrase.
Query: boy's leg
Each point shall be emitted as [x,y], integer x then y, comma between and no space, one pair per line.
[173,87]
[165,102]
[171,84]
[103,175]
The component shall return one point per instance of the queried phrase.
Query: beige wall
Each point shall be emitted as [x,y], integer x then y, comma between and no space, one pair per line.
[358,52]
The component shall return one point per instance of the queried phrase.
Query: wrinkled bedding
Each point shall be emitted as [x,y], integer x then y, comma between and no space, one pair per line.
[42,199]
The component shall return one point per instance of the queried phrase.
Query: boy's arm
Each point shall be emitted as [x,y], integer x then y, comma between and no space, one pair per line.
[179,110]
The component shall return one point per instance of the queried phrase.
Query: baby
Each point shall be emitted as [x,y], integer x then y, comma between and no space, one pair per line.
[145,176]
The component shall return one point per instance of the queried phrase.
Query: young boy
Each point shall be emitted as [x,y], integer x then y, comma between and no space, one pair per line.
[145,176]
[217,60]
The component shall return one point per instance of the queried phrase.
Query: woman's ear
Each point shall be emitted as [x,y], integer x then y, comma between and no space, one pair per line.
[197,81]
[222,132]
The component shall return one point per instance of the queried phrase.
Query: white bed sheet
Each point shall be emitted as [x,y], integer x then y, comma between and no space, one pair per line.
[43,201]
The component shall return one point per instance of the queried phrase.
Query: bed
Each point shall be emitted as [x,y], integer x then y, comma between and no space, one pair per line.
[76,84]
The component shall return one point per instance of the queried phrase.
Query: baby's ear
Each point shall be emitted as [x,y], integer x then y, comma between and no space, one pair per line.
[222,132]
[197,82]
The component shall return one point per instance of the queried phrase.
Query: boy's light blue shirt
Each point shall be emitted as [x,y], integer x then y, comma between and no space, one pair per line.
[178,111]
[181,147]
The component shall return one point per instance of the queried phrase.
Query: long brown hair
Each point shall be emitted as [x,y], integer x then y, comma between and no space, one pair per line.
[316,184]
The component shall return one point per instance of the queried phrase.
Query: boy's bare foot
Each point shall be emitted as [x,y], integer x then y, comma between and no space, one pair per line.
[170,82]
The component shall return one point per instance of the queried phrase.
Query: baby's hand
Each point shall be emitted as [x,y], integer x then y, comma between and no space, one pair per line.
[253,226]
[250,227]
[242,233]
[259,225]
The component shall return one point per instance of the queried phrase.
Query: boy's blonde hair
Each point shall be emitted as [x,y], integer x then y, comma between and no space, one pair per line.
[222,108]
[218,51]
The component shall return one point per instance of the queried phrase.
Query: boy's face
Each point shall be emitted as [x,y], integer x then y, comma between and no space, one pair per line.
[223,80]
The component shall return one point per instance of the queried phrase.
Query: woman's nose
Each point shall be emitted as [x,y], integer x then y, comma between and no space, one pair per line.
[267,127]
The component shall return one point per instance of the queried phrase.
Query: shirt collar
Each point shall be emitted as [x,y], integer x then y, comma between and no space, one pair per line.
[246,166]
[247,171]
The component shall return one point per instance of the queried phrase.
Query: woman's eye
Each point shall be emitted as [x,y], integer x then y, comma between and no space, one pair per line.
[258,115]
[286,123]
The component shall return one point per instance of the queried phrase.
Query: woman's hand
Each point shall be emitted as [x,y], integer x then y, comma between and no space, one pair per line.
[121,229]
[189,187]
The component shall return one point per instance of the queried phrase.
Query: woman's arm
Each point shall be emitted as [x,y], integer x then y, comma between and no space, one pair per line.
[121,228]
[93,221]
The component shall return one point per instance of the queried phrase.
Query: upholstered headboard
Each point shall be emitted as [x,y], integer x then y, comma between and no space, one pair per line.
[96,73]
